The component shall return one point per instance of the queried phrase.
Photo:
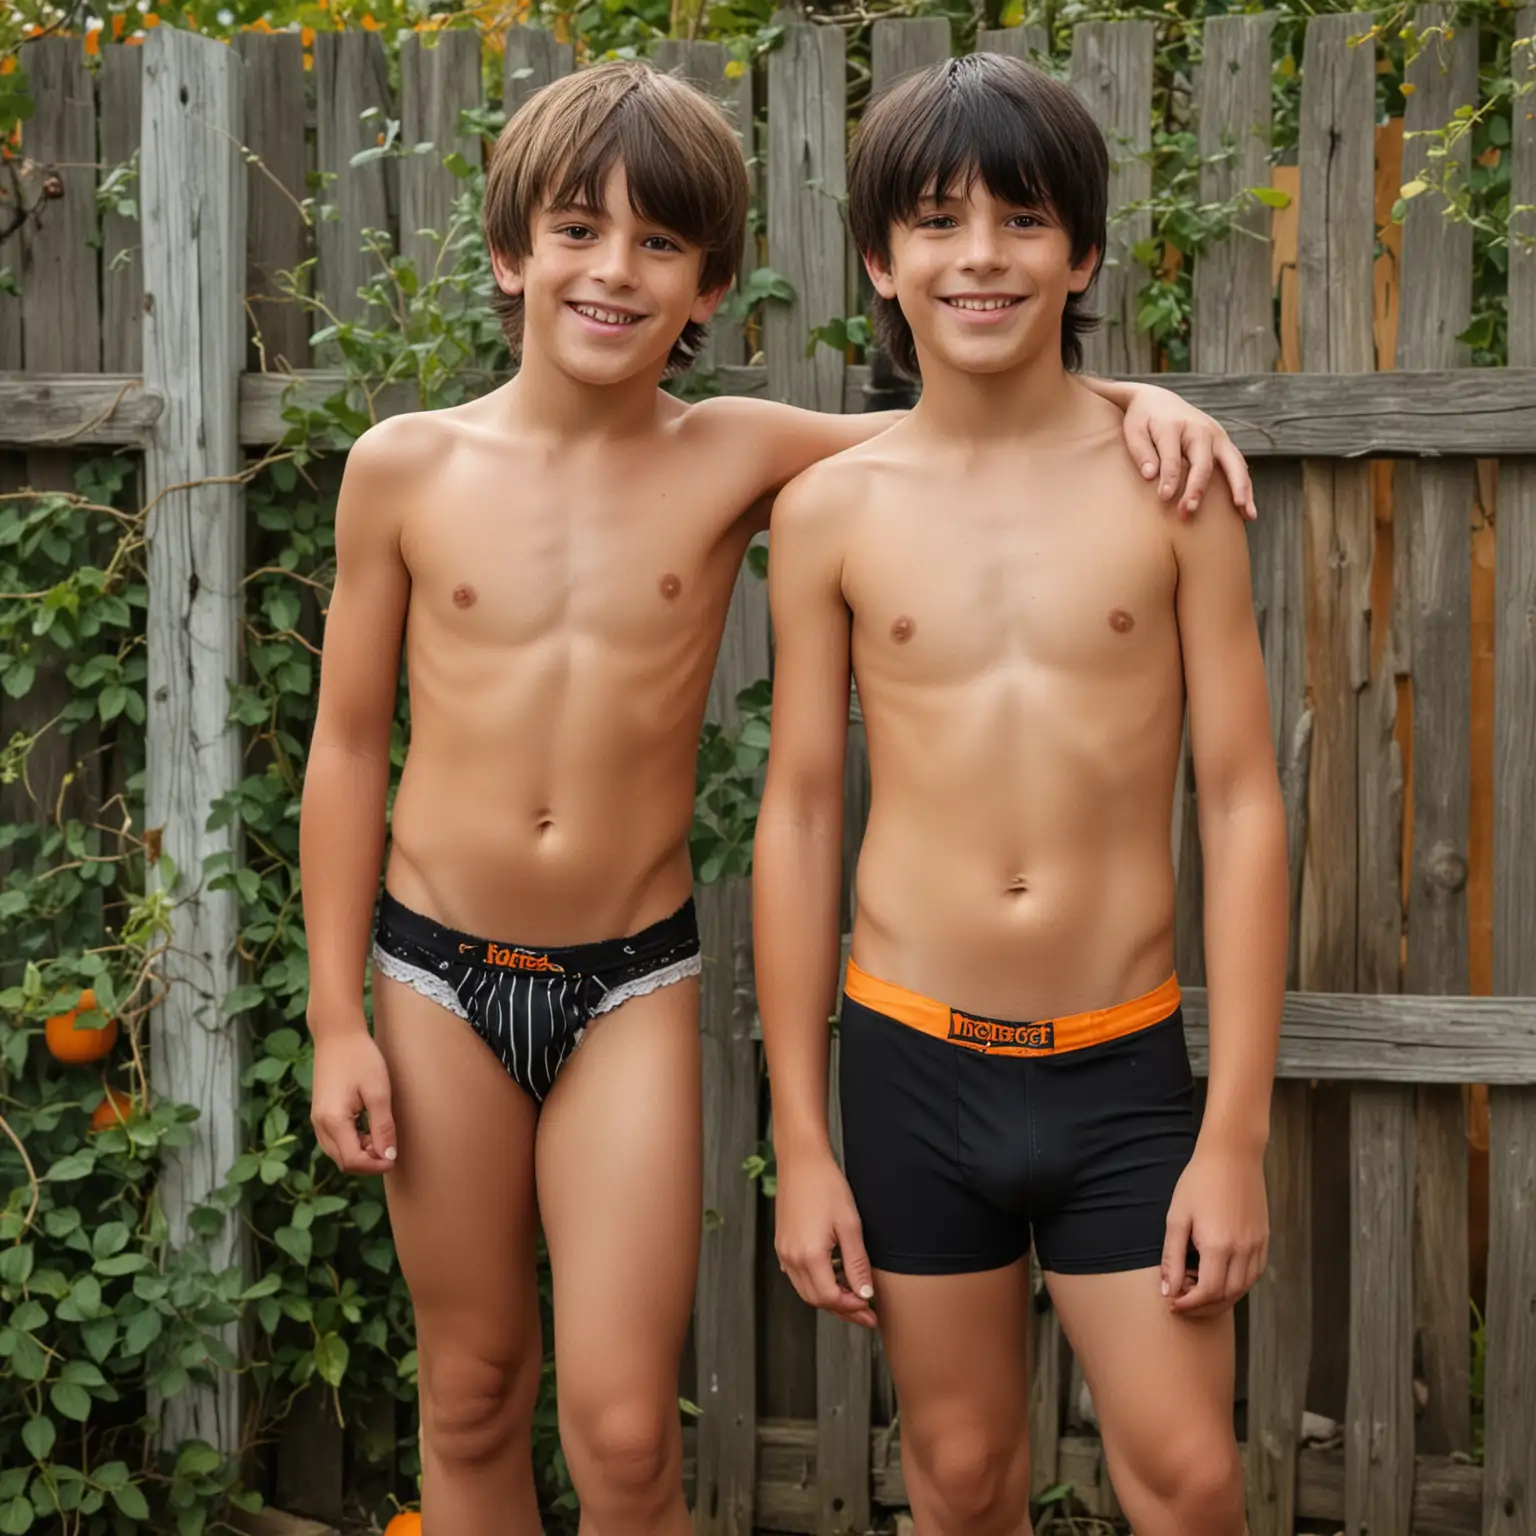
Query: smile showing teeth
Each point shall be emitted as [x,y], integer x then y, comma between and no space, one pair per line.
[605,316]
[962,303]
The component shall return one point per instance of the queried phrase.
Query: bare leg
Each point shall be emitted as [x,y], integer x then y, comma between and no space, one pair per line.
[1162,1386]
[461,1204]
[956,1344]
[619,1153]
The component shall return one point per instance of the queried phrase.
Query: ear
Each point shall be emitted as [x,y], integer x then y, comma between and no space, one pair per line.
[706,304]
[881,274]
[1082,272]
[509,275]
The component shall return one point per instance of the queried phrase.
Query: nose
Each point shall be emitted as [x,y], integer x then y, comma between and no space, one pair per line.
[615,263]
[982,251]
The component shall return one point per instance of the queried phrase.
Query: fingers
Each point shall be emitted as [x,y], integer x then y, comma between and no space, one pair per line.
[1170,453]
[858,1278]
[814,1275]
[1201,463]
[379,1139]
[1140,445]
[1235,467]
[346,1145]
[1175,1255]
[1210,1286]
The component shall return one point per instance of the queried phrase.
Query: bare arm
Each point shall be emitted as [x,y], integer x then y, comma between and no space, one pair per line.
[346,784]
[1242,839]
[797,862]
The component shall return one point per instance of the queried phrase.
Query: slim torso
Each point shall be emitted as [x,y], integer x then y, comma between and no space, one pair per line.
[1017,658]
[559,645]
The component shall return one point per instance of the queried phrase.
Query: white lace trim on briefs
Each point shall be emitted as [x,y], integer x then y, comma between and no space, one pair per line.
[419,980]
[641,986]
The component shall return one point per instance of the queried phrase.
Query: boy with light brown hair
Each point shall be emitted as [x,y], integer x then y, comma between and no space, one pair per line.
[557,558]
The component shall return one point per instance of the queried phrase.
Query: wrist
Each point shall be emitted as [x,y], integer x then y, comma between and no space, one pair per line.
[1234,1135]
[331,1019]
[798,1144]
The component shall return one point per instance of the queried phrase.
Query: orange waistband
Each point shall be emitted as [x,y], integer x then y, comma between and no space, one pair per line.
[997,1037]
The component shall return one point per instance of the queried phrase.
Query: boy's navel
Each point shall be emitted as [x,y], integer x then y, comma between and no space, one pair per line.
[1120,621]
[464,595]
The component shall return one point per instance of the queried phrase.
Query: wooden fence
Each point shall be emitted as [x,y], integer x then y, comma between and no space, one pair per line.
[1368,634]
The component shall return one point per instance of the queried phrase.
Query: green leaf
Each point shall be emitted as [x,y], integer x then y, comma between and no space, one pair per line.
[38,1435]
[197,1459]
[298,1245]
[99,1337]
[114,1474]
[72,1401]
[77,1165]
[331,1358]
[16,1264]
[109,1239]
[1271,197]
[122,1264]
[131,1501]
[16,1517]
[244,998]
[17,682]
[142,1331]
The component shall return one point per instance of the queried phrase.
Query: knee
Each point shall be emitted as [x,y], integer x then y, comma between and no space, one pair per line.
[1204,1490]
[622,1453]
[473,1407]
[977,1480]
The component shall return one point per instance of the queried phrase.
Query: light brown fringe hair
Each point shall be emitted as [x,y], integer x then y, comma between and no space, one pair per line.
[679,154]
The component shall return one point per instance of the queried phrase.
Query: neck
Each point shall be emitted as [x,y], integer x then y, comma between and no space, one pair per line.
[548,399]
[1026,403]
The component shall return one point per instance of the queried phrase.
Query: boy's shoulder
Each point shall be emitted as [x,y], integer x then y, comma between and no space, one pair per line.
[399,445]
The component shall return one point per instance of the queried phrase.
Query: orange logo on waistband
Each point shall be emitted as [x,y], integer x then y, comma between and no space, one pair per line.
[519,960]
[983,1034]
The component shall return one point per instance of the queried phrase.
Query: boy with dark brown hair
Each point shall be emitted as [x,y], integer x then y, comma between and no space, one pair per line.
[557,558]
[1026,624]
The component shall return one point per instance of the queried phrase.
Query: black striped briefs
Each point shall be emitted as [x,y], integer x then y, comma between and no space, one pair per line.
[531,1006]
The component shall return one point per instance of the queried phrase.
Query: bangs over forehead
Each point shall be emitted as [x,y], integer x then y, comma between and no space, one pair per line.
[983,118]
[665,187]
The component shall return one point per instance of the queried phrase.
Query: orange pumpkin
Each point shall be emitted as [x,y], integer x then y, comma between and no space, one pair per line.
[113,1110]
[67,1042]
[406,1523]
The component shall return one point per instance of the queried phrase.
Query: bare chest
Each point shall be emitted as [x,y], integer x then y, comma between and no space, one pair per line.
[939,599]
[526,561]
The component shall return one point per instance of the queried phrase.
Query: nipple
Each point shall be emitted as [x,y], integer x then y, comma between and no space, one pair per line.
[903,629]
[464,595]
[670,586]
[1120,621]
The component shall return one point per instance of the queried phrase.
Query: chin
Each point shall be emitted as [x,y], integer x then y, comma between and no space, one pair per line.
[593,365]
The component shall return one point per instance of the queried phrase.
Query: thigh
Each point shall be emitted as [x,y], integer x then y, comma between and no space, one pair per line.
[619,1158]
[1162,1384]
[957,1347]
[461,1197]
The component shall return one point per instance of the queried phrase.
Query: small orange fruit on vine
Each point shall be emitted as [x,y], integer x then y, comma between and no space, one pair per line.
[68,1042]
[406,1523]
[113,1110]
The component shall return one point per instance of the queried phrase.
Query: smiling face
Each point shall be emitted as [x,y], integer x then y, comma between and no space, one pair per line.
[977,191]
[606,292]
[982,281]
[603,190]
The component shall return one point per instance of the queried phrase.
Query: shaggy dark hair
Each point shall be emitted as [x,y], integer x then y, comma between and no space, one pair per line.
[680,157]
[987,117]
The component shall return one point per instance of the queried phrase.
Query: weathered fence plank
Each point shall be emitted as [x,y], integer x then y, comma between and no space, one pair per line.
[533,59]
[1112,72]
[807,177]
[1378,1432]
[1433,510]
[351,78]
[844,1356]
[704,65]
[726,1316]
[122,264]
[277,235]
[193,206]
[1509,1404]
[1028,43]
[902,46]
[439,78]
